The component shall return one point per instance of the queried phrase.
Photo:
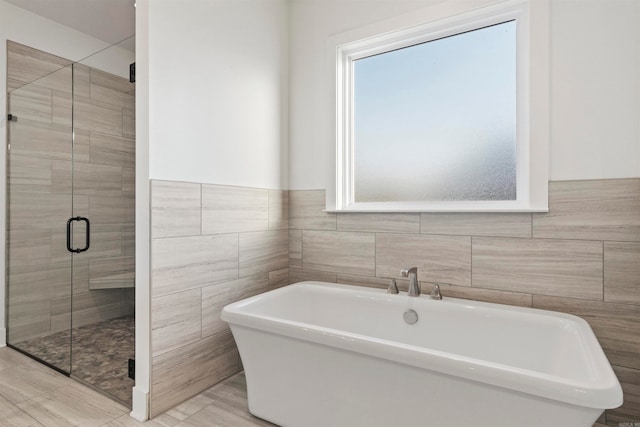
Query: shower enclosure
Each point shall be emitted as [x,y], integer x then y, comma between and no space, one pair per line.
[70,216]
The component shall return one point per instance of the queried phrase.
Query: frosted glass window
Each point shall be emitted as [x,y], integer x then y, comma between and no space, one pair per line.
[437,121]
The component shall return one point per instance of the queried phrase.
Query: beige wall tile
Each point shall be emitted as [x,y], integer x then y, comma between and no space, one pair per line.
[295,248]
[128,122]
[28,211]
[445,259]
[31,102]
[215,297]
[29,247]
[234,209]
[306,211]
[111,89]
[176,320]
[278,278]
[26,64]
[61,109]
[263,251]
[477,224]
[479,294]
[113,150]
[175,209]
[183,263]
[115,269]
[379,222]
[278,209]
[29,174]
[97,116]
[630,409]
[88,178]
[622,272]
[303,274]
[29,138]
[128,180]
[112,210]
[591,210]
[617,326]
[186,371]
[569,268]
[344,252]
[371,282]
[81,80]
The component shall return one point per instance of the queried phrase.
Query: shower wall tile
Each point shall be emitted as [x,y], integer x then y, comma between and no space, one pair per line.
[81,80]
[306,211]
[114,272]
[113,150]
[129,180]
[591,210]
[34,139]
[477,224]
[568,268]
[129,240]
[38,210]
[30,174]
[215,297]
[128,122]
[111,89]
[263,251]
[97,116]
[61,109]
[445,259]
[379,222]
[31,102]
[340,252]
[622,272]
[278,210]
[25,64]
[29,247]
[186,371]
[234,209]
[112,210]
[175,209]
[182,263]
[371,282]
[303,274]
[88,178]
[176,320]
[617,326]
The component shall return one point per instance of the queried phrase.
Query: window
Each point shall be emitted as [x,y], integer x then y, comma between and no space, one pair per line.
[438,117]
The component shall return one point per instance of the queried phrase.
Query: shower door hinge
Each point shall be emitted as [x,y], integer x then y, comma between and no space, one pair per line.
[132,369]
[132,72]
[12,118]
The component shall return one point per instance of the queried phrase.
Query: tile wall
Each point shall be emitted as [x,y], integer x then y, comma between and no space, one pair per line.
[40,195]
[583,257]
[211,245]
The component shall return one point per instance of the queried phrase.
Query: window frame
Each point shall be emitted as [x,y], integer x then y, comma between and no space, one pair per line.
[531,101]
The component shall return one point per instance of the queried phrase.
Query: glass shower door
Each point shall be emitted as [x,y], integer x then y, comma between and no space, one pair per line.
[39,193]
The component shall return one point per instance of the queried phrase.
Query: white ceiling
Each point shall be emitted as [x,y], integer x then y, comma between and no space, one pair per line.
[107,20]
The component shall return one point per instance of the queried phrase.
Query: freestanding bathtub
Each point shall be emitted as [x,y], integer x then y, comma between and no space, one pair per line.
[327,355]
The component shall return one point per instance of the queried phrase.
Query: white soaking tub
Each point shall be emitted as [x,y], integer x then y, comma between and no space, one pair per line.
[327,355]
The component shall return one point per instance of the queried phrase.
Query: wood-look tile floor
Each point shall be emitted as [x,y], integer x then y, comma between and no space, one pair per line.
[32,395]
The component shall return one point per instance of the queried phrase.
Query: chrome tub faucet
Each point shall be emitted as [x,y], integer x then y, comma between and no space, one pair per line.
[414,286]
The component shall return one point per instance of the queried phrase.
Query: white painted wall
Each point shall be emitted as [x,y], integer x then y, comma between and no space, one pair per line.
[24,27]
[218,92]
[595,89]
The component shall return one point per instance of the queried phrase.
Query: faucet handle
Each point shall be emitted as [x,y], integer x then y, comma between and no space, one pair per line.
[393,287]
[435,293]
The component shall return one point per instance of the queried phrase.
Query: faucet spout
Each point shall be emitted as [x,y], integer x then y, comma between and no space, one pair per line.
[414,285]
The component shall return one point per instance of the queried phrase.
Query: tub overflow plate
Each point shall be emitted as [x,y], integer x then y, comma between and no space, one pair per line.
[410,316]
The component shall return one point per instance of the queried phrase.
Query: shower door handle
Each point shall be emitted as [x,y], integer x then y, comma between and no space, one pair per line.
[86,246]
